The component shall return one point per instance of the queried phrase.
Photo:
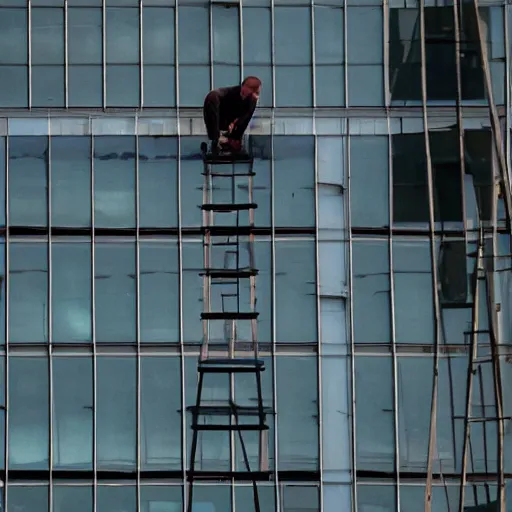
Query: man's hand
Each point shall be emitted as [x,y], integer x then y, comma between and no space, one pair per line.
[235,145]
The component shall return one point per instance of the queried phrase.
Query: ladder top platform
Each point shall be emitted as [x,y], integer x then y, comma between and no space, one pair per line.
[225,157]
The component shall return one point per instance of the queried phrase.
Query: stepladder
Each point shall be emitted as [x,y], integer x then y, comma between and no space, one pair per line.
[229,352]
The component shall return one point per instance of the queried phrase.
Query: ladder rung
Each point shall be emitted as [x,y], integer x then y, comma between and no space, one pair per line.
[229,428]
[227,410]
[456,305]
[228,230]
[480,360]
[229,175]
[224,273]
[231,365]
[228,207]
[199,474]
[223,315]
[228,158]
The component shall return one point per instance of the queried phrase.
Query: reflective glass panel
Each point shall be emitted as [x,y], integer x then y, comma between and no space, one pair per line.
[115,498]
[256,27]
[159,86]
[28,292]
[212,498]
[244,498]
[71,181]
[194,37]
[371,287]
[114,181]
[365,35]
[116,420]
[160,435]
[297,497]
[28,413]
[85,86]
[72,498]
[376,497]
[122,27]
[28,175]
[297,391]
[47,24]
[13,86]
[24,497]
[292,34]
[2,291]
[2,180]
[14,36]
[72,412]
[123,85]
[158,35]
[158,190]
[159,292]
[2,416]
[47,86]
[115,278]
[375,432]
[294,181]
[71,292]
[85,35]
[157,498]
[295,291]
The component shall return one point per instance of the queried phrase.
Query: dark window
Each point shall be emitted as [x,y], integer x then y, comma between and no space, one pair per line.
[24,497]
[72,412]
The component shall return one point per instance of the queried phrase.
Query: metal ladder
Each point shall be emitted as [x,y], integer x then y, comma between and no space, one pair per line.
[225,270]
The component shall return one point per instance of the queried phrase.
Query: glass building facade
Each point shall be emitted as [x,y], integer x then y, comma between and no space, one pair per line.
[382,157]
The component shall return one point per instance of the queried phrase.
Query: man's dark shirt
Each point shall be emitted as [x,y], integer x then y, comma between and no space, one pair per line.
[231,106]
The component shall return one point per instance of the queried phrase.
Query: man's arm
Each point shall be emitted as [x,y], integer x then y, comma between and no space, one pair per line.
[243,121]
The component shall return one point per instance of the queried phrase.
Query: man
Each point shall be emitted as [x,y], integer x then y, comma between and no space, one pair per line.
[227,112]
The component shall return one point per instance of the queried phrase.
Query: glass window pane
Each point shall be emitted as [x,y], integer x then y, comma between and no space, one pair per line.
[2,418]
[72,498]
[115,280]
[2,180]
[2,291]
[13,86]
[375,413]
[212,498]
[226,35]
[85,35]
[158,35]
[117,498]
[28,292]
[71,181]
[28,413]
[244,498]
[369,177]
[414,301]
[194,37]
[256,27]
[14,36]
[158,191]
[122,26]
[294,181]
[159,285]
[72,412]
[192,181]
[297,390]
[193,88]
[123,86]
[47,26]
[330,86]
[114,181]
[370,274]
[301,95]
[160,416]
[71,293]
[365,35]
[365,86]
[159,86]
[116,421]
[24,497]
[329,40]
[156,498]
[380,497]
[292,35]
[295,291]
[301,498]
[225,75]
[48,86]
[85,86]
[28,172]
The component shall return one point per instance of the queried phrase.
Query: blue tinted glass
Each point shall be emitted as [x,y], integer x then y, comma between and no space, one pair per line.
[122,43]
[297,391]
[28,292]
[192,290]
[2,180]
[158,177]
[295,291]
[123,86]
[365,86]
[28,413]
[382,497]
[260,145]
[85,86]
[297,497]
[117,498]
[115,280]
[156,497]
[47,26]
[33,498]
[226,35]
[244,498]
[330,86]
[47,86]
[84,35]
[194,36]
[160,436]
[2,416]
[72,498]
[301,95]
[225,75]
[116,420]
[72,412]
[329,41]
[159,297]
[294,181]
[365,35]
[194,85]
[71,181]
[2,292]
[28,175]
[114,181]
[191,180]
[13,86]
[212,498]
[158,35]
[159,86]
[256,27]
[14,36]
[71,292]
[292,34]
